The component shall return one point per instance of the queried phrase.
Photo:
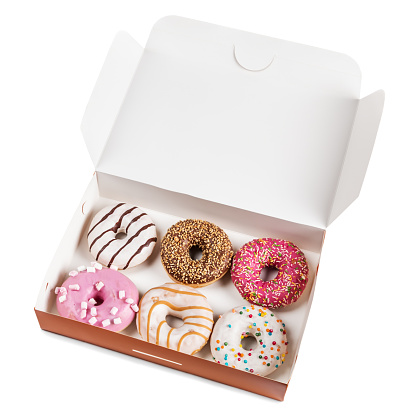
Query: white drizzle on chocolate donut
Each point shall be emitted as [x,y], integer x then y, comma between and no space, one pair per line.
[131,250]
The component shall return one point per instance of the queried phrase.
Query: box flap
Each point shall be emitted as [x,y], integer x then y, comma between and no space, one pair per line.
[227,116]
[109,92]
[358,152]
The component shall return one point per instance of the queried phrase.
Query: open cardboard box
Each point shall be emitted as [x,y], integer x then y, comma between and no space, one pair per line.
[263,137]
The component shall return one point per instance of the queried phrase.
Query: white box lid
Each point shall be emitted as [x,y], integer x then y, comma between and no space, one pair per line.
[240,119]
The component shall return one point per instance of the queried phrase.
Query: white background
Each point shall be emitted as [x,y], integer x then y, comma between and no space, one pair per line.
[359,347]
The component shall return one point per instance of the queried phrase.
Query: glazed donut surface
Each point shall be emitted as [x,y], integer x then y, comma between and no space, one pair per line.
[125,220]
[290,281]
[270,344]
[182,302]
[98,296]
[212,240]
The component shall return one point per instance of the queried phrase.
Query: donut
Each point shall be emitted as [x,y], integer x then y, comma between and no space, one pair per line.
[182,302]
[122,236]
[217,252]
[269,347]
[289,283]
[98,296]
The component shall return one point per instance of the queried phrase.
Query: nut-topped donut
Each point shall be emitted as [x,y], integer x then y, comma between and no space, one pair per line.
[121,235]
[217,252]
[290,281]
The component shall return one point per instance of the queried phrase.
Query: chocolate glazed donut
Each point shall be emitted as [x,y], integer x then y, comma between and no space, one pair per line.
[217,252]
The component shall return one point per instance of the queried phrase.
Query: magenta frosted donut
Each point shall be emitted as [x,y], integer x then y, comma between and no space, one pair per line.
[98,296]
[285,288]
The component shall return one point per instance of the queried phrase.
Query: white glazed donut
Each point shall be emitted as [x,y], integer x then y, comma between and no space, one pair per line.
[183,302]
[249,321]
[111,250]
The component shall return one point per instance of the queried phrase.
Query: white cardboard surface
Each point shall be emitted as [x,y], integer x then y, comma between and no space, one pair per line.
[181,205]
[109,93]
[270,141]
[236,118]
[358,152]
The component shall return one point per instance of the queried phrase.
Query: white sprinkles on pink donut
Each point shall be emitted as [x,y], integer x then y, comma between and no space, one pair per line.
[93,297]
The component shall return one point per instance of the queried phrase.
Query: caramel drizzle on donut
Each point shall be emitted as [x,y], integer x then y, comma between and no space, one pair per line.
[190,333]
[114,228]
[197,316]
[105,216]
[157,331]
[171,306]
[128,242]
[169,334]
[177,291]
[138,314]
[198,324]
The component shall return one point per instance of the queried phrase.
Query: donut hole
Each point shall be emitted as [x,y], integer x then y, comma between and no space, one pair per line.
[173,321]
[121,234]
[196,253]
[249,342]
[99,298]
[268,273]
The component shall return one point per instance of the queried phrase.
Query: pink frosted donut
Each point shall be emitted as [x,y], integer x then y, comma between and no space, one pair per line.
[98,296]
[287,286]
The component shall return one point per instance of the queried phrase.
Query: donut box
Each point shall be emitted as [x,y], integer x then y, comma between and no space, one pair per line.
[263,137]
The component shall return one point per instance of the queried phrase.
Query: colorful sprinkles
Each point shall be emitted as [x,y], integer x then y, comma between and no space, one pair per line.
[231,330]
[287,286]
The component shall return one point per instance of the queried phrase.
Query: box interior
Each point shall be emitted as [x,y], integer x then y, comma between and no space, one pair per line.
[166,208]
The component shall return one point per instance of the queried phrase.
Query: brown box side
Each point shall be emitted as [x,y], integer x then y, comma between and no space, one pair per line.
[160,355]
